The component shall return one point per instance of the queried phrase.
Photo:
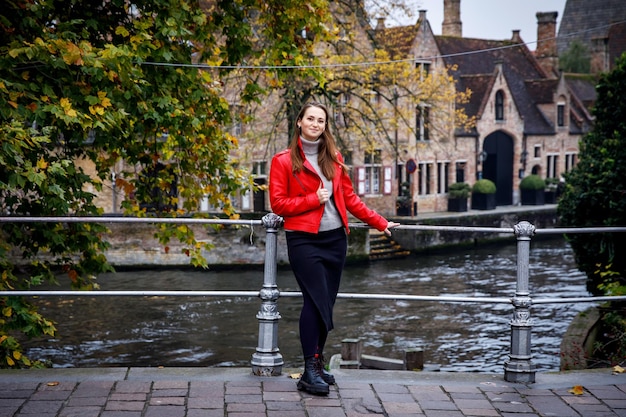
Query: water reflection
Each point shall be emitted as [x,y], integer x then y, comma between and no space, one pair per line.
[209,331]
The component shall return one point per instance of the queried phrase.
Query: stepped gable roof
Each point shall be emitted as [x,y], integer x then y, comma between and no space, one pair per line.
[585,20]
[617,41]
[473,57]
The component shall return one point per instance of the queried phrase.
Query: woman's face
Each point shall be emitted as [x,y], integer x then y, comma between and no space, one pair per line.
[313,123]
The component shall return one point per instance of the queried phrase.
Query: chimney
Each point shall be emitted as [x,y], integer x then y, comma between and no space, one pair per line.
[452,25]
[546,52]
[516,38]
[380,23]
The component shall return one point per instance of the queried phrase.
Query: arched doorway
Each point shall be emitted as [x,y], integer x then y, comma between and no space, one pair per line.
[498,166]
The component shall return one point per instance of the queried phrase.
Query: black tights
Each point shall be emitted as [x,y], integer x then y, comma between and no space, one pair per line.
[313,331]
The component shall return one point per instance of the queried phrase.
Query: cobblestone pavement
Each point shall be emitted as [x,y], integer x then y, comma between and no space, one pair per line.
[235,392]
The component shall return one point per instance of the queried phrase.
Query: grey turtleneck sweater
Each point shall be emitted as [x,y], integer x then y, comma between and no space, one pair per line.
[331,219]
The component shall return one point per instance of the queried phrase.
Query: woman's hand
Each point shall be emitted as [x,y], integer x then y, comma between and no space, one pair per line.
[322,194]
[390,225]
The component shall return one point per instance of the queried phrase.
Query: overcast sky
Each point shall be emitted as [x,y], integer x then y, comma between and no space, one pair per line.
[490,19]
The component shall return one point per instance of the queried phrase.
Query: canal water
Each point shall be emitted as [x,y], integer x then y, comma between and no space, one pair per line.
[218,331]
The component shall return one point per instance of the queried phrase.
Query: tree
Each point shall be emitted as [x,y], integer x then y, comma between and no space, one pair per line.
[576,59]
[91,90]
[595,192]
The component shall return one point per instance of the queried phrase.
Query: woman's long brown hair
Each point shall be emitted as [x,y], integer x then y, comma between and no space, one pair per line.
[327,156]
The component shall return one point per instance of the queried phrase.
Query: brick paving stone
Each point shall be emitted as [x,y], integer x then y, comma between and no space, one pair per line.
[519,415]
[205,413]
[474,404]
[167,401]
[402,408]
[284,406]
[553,406]
[398,398]
[245,408]
[428,393]
[279,386]
[165,411]
[7,411]
[506,397]
[325,412]
[594,410]
[281,396]
[135,396]
[205,402]
[93,389]
[390,388]
[360,405]
[615,404]
[80,412]
[442,413]
[132,386]
[416,414]
[438,405]
[50,395]
[125,406]
[86,401]
[513,407]
[248,398]
[41,407]
[607,393]
[357,393]
[246,415]
[170,384]
[294,413]
[169,393]
[122,414]
[480,412]
[233,390]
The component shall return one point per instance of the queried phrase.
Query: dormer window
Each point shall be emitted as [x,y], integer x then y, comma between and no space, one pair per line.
[499,105]
[560,114]
[424,69]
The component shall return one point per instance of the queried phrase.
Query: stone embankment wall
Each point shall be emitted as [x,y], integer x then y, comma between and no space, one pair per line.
[134,245]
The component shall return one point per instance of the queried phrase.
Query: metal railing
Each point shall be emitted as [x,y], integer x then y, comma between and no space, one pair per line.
[267,360]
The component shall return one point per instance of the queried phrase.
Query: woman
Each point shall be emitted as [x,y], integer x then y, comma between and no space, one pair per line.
[310,188]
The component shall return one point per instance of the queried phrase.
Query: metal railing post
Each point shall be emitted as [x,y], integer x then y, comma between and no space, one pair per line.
[519,367]
[267,360]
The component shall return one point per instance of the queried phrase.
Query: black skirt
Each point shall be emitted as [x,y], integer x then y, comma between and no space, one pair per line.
[317,261]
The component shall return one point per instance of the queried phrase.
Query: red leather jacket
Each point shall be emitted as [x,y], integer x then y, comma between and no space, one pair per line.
[294,197]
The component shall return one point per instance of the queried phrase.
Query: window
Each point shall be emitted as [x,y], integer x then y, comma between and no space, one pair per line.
[560,114]
[460,171]
[443,178]
[570,161]
[553,166]
[259,168]
[422,114]
[372,172]
[499,105]
[423,68]
[424,174]
[537,151]
[373,178]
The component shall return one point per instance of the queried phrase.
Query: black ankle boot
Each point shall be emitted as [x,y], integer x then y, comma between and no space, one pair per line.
[326,376]
[311,380]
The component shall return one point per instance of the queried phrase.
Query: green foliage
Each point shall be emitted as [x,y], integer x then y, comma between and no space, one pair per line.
[484,186]
[576,59]
[459,190]
[89,88]
[595,191]
[532,182]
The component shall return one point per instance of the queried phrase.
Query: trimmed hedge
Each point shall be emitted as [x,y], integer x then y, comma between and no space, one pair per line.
[484,186]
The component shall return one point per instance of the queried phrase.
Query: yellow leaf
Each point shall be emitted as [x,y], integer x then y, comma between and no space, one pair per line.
[10,361]
[7,311]
[577,390]
[42,164]
[52,384]
[618,369]
[17,355]
[3,338]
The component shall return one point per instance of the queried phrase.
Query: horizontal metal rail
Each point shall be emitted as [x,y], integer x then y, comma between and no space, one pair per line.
[348,296]
[121,219]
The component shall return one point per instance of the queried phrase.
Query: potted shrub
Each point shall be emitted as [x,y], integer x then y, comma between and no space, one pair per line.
[484,195]
[457,196]
[532,188]
[404,200]
[549,195]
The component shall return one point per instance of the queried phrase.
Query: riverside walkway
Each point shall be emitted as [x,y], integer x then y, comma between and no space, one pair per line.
[236,392]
